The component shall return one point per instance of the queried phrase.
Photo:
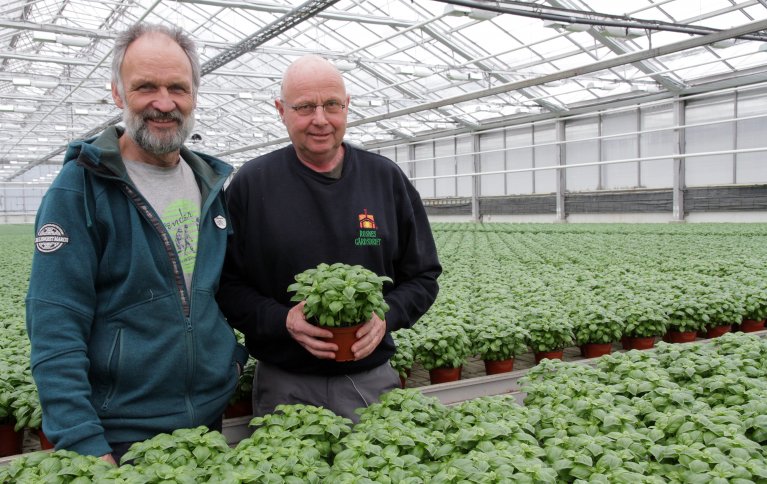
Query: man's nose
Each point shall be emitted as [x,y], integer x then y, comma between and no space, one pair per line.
[318,117]
[164,102]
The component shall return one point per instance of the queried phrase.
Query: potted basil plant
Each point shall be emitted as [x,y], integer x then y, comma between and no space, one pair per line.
[595,329]
[340,297]
[687,315]
[403,358]
[549,335]
[497,339]
[754,305]
[442,347]
[644,322]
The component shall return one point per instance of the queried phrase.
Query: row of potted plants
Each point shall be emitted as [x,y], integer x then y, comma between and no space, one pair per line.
[600,286]
[444,349]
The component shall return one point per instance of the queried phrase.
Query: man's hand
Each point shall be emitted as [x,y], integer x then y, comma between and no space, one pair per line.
[109,458]
[308,335]
[368,337]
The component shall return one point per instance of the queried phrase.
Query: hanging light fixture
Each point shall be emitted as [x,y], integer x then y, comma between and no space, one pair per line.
[70,40]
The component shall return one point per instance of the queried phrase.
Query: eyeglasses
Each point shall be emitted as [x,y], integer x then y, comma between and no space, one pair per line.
[307,109]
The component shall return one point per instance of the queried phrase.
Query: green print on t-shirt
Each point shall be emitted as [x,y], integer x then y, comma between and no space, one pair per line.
[181,219]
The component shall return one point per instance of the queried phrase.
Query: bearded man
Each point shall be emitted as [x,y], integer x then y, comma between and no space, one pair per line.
[127,339]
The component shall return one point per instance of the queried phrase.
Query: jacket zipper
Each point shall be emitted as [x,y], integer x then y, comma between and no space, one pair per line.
[178,274]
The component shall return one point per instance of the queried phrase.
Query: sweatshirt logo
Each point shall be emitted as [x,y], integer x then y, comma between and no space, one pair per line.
[50,238]
[367,232]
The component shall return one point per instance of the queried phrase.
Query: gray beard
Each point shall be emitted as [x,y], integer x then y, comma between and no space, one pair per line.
[138,130]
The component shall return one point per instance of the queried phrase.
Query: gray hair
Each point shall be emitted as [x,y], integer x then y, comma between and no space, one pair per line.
[127,37]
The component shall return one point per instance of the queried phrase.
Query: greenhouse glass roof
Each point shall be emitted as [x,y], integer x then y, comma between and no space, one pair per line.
[414,68]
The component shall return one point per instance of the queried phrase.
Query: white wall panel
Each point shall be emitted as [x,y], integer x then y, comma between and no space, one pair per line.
[751,167]
[518,159]
[576,152]
[533,146]
[656,173]
[492,158]
[424,167]
[445,164]
[545,180]
[465,164]
[621,175]
[713,169]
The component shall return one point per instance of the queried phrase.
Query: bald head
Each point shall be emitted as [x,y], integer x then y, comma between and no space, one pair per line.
[309,69]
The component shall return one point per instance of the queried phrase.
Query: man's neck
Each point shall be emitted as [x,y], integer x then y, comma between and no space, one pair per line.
[130,150]
[323,166]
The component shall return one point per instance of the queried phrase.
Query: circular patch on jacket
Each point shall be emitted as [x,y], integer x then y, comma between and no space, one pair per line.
[220,221]
[50,238]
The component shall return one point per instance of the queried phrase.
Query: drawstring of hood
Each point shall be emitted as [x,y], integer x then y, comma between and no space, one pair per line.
[87,195]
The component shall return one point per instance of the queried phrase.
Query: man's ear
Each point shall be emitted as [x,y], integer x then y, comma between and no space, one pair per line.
[280,109]
[116,96]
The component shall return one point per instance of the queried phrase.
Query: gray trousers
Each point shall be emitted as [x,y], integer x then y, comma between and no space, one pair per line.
[342,394]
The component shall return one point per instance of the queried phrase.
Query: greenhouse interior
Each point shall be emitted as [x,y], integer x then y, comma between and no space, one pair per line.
[594,178]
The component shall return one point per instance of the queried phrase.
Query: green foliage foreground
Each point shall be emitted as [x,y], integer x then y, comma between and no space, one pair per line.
[682,414]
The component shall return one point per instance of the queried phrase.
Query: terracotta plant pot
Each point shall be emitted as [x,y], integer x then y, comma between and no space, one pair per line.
[240,408]
[552,355]
[641,343]
[751,325]
[594,350]
[680,336]
[45,444]
[626,342]
[717,331]
[493,367]
[11,442]
[443,375]
[344,338]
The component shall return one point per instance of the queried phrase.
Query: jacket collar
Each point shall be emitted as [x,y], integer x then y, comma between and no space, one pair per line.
[101,155]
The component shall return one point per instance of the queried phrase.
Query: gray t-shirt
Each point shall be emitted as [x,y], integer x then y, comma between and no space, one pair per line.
[175,196]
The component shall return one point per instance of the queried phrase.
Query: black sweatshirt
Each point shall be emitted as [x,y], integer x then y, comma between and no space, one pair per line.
[288,218]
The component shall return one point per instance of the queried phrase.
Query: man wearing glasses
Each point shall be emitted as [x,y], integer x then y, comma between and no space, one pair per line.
[322,200]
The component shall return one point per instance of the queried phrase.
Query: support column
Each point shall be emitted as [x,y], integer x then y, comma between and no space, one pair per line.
[679,161]
[411,157]
[476,186]
[561,160]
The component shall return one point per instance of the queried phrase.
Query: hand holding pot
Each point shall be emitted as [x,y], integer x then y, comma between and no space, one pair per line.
[368,337]
[311,337]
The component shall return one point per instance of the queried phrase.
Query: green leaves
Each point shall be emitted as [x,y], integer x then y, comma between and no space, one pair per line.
[548,332]
[498,337]
[18,394]
[445,346]
[184,447]
[340,294]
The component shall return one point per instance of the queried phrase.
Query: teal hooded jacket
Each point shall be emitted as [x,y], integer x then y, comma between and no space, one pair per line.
[121,351]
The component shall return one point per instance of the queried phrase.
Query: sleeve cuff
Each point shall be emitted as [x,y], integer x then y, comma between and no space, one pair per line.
[95,446]
[241,355]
